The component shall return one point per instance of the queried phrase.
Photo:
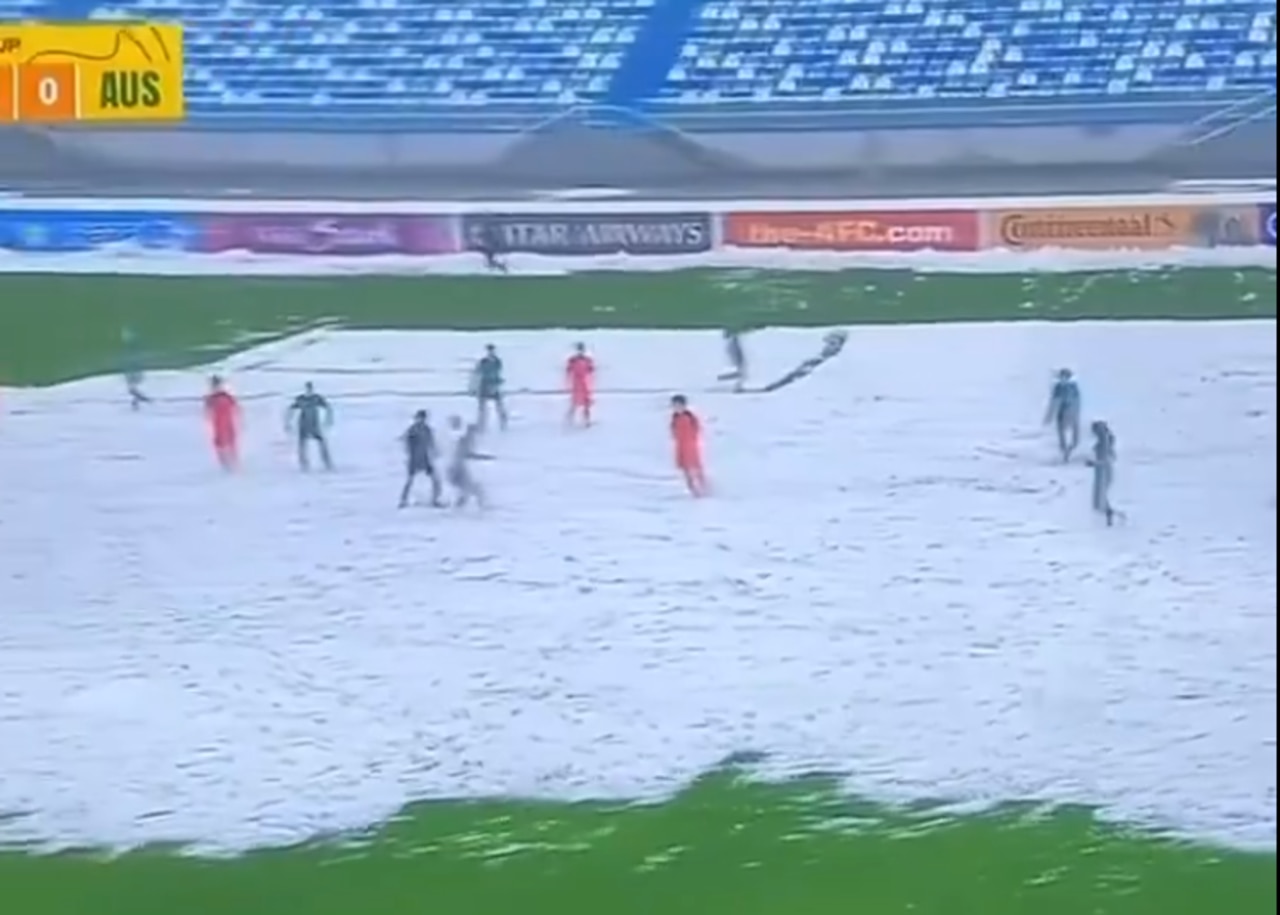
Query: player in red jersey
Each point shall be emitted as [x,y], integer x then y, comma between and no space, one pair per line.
[222,411]
[580,373]
[686,432]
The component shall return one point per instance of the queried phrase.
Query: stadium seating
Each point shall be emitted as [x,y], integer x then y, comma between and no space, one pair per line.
[403,57]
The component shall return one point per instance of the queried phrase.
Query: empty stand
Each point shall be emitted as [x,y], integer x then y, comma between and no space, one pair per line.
[407,57]
[859,49]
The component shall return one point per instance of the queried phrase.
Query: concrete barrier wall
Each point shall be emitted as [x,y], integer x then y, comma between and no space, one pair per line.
[567,153]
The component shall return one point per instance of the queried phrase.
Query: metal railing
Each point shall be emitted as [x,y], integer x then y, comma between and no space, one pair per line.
[1230,118]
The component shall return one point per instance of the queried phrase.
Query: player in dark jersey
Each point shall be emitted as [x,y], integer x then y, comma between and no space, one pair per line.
[487,383]
[314,416]
[487,240]
[420,455]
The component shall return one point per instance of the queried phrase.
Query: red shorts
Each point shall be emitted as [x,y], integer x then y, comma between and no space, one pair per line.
[580,396]
[688,458]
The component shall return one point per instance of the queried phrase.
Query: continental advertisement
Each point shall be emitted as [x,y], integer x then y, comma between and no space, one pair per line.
[856,230]
[117,72]
[1112,228]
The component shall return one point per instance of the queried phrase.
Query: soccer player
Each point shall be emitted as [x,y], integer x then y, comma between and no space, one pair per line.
[580,373]
[487,384]
[420,453]
[314,416]
[133,374]
[222,411]
[461,478]
[488,241]
[1104,464]
[1064,413]
[686,432]
[737,356]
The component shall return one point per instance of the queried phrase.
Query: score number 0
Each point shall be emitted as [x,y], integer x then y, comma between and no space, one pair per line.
[47,92]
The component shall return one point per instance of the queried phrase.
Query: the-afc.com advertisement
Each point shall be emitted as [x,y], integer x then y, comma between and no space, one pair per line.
[936,230]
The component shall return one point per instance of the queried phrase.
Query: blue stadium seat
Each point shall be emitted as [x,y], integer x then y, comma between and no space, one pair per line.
[402,57]
[962,49]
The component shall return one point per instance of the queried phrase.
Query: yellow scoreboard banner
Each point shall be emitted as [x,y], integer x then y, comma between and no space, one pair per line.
[99,72]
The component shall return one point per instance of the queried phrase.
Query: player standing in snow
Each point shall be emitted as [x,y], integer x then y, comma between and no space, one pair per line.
[314,416]
[487,382]
[1104,464]
[459,474]
[133,374]
[222,411]
[420,454]
[1064,413]
[686,433]
[737,357]
[580,374]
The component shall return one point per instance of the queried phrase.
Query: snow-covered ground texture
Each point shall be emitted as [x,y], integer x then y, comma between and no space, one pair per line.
[126,259]
[894,580]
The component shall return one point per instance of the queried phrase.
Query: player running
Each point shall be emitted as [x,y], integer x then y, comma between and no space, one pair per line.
[487,382]
[314,416]
[686,432]
[1064,413]
[420,453]
[580,373]
[133,374]
[1104,464]
[222,411]
[460,477]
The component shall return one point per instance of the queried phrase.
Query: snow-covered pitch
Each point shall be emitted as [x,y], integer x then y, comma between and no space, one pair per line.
[895,579]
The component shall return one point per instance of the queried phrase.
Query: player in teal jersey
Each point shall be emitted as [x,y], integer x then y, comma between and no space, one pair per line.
[737,356]
[1104,464]
[313,416]
[487,383]
[1064,413]
[132,367]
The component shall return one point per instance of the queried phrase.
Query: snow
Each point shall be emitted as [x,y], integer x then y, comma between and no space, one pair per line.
[894,580]
[135,261]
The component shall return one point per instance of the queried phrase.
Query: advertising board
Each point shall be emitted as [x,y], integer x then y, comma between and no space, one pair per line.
[937,230]
[352,235]
[585,234]
[41,231]
[1093,228]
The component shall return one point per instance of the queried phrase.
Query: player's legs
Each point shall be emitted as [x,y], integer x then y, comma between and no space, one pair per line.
[695,479]
[461,487]
[482,411]
[133,383]
[322,445]
[437,489]
[580,405]
[227,452]
[1102,477]
[304,452]
[407,490]
[1069,433]
[471,492]
[1062,426]
[500,405]
[699,478]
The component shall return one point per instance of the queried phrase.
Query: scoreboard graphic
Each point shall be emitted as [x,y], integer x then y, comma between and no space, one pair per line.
[103,73]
